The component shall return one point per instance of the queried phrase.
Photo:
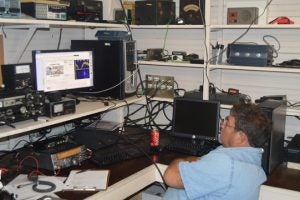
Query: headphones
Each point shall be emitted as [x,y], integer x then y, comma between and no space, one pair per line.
[33,177]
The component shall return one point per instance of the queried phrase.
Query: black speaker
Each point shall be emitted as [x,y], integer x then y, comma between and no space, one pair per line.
[154,12]
[191,12]
[17,76]
[274,147]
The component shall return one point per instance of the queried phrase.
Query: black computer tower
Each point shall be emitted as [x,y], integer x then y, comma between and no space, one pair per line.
[154,12]
[274,147]
[111,67]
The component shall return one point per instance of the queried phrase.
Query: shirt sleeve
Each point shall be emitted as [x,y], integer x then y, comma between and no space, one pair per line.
[211,173]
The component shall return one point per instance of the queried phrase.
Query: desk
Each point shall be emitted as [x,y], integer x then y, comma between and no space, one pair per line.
[131,176]
[82,110]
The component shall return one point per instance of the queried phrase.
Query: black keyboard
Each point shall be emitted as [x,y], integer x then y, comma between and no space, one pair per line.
[116,153]
[191,147]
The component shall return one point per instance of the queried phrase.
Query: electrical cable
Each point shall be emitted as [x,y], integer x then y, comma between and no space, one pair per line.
[147,155]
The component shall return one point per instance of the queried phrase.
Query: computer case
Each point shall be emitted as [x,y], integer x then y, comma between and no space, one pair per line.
[114,67]
[274,147]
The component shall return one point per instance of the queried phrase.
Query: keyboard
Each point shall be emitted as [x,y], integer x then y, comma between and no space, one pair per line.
[116,153]
[191,147]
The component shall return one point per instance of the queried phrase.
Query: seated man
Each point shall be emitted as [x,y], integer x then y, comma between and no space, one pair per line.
[232,171]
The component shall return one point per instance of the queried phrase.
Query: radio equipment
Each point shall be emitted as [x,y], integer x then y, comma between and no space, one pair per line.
[250,54]
[21,107]
[54,154]
[63,107]
[243,15]
[191,12]
[10,8]
[16,76]
[86,10]
[154,12]
[45,10]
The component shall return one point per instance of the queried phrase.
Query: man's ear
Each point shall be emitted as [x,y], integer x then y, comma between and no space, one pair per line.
[243,139]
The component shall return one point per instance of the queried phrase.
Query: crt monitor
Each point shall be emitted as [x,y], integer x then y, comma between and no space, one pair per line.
[196,119]
[61,70]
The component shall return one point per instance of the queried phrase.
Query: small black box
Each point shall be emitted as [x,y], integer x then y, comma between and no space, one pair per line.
[66,106]
[154,12]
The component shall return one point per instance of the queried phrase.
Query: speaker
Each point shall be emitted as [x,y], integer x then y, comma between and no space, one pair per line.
[17,76]
[154,12]
[243,15]
[274,147]
[191,12]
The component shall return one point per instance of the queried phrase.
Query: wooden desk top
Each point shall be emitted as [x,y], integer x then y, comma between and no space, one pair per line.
[282,177]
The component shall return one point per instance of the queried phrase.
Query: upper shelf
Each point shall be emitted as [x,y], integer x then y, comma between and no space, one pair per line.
[256,68]
[257,26]
[71,23]
[56,23]
[171,64]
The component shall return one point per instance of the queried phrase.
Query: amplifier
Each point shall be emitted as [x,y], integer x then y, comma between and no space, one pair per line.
[250,54]
[16,76]
[86,10]
[66,106]
[50,11]
[54,154]
[191,12]
[154,12]
[20,107]
[10,8]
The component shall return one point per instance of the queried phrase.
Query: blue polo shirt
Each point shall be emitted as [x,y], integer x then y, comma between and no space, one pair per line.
[224,173]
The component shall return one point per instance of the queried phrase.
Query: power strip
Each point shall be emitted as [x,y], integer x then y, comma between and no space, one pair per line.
[160,86]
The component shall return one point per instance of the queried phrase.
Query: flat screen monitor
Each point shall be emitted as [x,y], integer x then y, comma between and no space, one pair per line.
[61,70]
[196,119]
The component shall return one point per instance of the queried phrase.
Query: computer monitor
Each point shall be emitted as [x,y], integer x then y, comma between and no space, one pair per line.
[196,119]
[62,70]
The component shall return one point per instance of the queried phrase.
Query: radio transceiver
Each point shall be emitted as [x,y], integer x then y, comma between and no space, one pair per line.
[10,8]
[20,107]
[53,11]
[56,153]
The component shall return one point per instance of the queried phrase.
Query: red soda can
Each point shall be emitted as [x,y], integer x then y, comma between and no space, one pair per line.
[154,138]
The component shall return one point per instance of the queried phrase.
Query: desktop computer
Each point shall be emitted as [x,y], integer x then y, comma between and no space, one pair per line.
[114,67]
[274,147]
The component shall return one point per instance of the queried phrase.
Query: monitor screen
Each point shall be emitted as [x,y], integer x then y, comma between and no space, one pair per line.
[196,119]
[57,70]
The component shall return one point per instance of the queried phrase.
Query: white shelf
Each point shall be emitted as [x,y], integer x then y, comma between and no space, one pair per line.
[267,26]
[82,110]
[255,68]
[171,64]
[167,26]
[56,23]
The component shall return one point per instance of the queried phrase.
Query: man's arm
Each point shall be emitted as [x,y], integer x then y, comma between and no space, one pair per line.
[172,175]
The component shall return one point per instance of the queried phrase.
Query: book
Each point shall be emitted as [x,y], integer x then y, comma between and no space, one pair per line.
[87,180]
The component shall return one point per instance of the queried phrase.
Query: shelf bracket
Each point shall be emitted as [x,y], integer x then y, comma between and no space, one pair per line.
[31,32]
